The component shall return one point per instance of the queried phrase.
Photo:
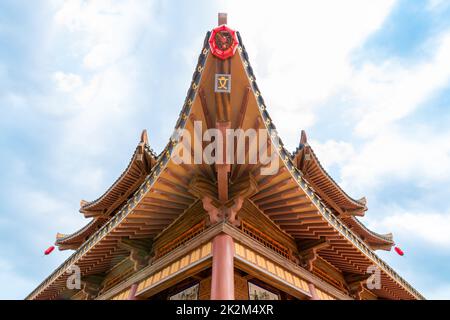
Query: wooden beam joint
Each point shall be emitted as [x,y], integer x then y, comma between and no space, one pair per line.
[355,283]
[140,251]
[308,251]
[91,285]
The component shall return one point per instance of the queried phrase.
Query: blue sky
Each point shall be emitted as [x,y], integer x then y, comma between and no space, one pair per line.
[368,80]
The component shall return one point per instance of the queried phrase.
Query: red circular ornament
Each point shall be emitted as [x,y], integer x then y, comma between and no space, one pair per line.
[223,42]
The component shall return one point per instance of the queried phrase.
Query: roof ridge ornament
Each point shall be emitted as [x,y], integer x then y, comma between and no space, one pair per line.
[303,138]
[223,40]
[144,137]
[222,18]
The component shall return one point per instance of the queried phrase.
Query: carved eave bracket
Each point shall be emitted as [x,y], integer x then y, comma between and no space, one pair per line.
[355,284]
[215,214]
[91,285]
[223,213]
[140,251]
[308,252]
[231,212]
[356,212]
[244,187]
[202,187]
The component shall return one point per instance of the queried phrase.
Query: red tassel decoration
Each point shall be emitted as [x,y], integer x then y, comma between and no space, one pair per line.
[399,251]
[49,250]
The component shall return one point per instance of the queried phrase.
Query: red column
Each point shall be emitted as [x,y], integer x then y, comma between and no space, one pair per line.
[132,295]
[312,290]
[222,282]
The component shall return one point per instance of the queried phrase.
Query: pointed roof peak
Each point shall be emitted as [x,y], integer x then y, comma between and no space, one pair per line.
[222,18]
[144,137]
[303,138]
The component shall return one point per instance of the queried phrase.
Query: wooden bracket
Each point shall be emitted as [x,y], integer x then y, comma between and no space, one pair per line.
[222,213]
[355,283]
[231,213]
[308,251]
[215,214]
[92,285]
[201,187]
[140,251]
[244,187]
[349,213]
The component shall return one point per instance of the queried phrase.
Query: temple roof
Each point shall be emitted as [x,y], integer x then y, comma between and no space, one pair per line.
[104,207]
[344,206]
[309,164]
[169,189]
[139,166]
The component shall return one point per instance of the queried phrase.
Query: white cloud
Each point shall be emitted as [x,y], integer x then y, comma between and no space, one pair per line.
[427,228]
[67,82]
[100,97]
[109,28]
[437,4]
[439,292]
[301,51]
[56,214]
[421,157]
[312,60]
[13,284]
[333,152]
[383,94]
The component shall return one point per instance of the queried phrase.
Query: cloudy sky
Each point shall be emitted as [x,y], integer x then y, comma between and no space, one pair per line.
[368,80]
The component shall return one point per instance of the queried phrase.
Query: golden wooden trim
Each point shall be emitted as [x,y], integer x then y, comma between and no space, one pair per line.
[183,263]
[272,269]
[273,258]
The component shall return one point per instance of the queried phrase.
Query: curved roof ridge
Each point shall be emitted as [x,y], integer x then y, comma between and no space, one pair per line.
[161,161]
[63,239]
[389,237]
[298,175]
[361,203]
[142,148]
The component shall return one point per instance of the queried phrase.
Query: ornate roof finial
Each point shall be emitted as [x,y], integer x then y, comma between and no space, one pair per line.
[222,18]
[303,138]
[144,137]
[363,200]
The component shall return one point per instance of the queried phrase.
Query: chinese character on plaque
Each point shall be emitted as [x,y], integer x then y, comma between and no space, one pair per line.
[222,83]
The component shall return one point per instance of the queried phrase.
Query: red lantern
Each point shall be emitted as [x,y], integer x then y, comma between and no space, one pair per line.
[49,250]
[399,251]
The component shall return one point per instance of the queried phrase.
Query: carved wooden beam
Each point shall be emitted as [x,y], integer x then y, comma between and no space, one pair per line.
[204,104]
[140,251]
[223,169]
[375,246]
[233,211]
[91,285]
[355,283]
[308,251]
[349,213]
[244,187]
[215,214]
[201,187]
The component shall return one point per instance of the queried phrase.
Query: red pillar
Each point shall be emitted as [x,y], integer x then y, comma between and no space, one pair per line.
[132,295]
[222,282]
[312,290]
